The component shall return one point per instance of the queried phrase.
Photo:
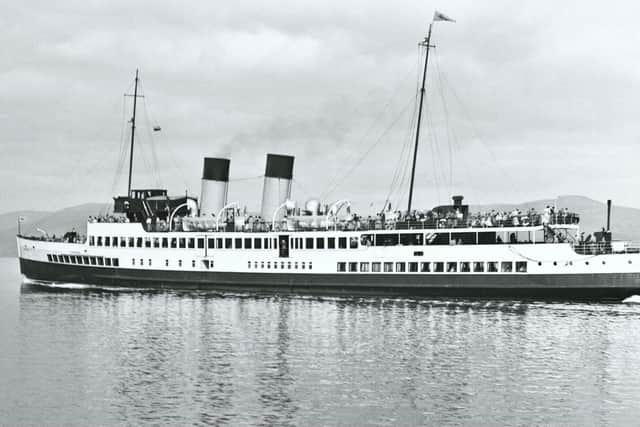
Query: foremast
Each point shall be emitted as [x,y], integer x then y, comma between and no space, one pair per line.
[133,131]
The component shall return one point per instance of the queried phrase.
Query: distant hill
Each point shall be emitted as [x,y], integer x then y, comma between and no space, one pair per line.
[625,222]
[57,223]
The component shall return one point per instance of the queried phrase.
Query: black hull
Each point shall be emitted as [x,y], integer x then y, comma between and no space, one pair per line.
[614,286]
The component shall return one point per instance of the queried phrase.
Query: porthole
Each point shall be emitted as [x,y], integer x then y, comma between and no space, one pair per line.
[630,262]
[539,263]
[555,263]
[586,262]
[604,262]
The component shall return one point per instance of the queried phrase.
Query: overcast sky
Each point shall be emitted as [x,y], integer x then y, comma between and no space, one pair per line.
[524,101]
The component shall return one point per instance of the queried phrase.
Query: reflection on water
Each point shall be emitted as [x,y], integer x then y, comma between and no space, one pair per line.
[92,356]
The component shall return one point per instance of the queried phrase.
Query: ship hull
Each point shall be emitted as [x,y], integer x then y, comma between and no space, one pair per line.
[614,286]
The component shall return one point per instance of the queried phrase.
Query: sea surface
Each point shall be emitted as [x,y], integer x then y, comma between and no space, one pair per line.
[79,356]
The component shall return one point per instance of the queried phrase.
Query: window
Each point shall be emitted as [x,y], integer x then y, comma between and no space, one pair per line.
[49,258]
[331,242]
[85,260]
[364,267]
[166,263]
[193,263]
[156,242]
[353,242]
[282,265]
[353,266]
[266,243]
[149,262]
[179,263]
[388,267]
[342,267]
[257,243]
[411,239]
[478,267]
[275,265]
[123,242]
[131,242]
[92,241]
[92,259]
[107,241]
[262,264]
[99,240]
[366,240]
[238,243]
[247,243]
[211,243]
[507,266]
[319,242]
[425,267]
[310,265]
[521,266]
[139,242]
[133,261]
[182,243]
[174,243]
[165,242]
[248,264]
[401,267]
[191,243]
[492,266]
[114,241]
[107,262]
[452,267]
[386,239]
[255,264]
[418,253]
[219,243]
[55,258]
[465,267]
[413,267]
[295,265]
[308,243]
[289,265]
[438,267]
[141,261]
[303,265]
[78,259]
[200,242]
[72,259]
[147,242]
[342,242]
[115,262]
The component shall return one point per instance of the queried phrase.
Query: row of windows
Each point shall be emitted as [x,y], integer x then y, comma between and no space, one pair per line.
[83,260]
[282,265]
[223,243]
[435,267]
[206,263]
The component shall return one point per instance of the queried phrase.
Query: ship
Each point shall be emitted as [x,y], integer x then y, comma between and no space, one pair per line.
[157,241]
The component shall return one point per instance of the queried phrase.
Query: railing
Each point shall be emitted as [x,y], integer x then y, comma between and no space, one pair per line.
[371,224]
[604,247]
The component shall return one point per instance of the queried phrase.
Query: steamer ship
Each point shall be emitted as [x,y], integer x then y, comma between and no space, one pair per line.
[154,240]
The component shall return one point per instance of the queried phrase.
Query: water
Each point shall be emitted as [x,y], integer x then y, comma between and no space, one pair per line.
[85,356]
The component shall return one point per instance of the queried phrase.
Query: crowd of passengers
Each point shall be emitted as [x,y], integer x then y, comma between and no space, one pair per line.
[240,221]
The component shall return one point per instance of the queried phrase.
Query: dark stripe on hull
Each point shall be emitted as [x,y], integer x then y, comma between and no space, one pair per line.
[566,286]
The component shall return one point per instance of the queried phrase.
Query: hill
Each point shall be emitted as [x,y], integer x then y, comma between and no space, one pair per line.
[57,223]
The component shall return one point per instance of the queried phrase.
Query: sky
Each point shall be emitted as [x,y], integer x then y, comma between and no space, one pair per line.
[524,100]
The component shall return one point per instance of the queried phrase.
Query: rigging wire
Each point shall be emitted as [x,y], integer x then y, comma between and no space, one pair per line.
[366,153]
[335,182]
[476,134]
[447,124]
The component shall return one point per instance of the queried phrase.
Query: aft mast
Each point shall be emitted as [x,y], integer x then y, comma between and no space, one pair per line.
[437,16]
[133,131]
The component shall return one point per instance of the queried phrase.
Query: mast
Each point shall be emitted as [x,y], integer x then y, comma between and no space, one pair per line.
[133,132]
[424,43]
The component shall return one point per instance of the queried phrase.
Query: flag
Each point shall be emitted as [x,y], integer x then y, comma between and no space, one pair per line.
[437,16]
